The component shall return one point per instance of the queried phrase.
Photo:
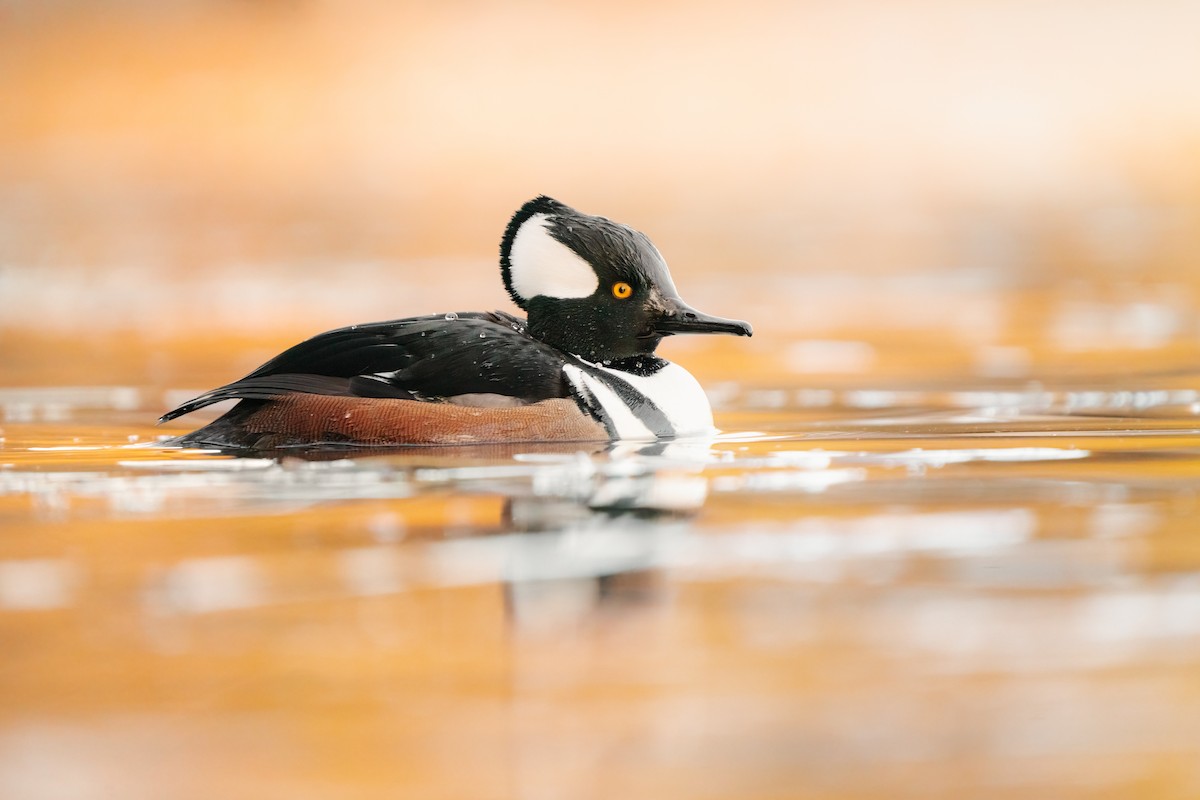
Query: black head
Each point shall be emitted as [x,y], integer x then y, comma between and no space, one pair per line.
[594,287]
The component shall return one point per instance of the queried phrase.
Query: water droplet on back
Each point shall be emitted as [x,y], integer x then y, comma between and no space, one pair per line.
[451,317]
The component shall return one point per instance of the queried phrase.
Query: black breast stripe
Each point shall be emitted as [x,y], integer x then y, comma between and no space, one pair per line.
[642,407]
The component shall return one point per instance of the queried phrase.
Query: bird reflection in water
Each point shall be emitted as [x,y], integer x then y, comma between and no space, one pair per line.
[582,526]
[601,543]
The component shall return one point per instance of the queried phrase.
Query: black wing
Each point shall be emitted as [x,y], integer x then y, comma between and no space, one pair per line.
[418,358]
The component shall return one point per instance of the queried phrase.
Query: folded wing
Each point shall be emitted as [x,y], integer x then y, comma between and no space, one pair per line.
[421,358]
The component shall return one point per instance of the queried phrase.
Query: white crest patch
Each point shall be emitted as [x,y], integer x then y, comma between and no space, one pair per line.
[540,264]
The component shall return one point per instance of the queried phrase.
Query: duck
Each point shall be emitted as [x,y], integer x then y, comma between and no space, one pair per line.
[580,366]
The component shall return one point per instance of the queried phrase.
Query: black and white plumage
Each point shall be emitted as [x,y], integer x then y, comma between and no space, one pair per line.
[599,299]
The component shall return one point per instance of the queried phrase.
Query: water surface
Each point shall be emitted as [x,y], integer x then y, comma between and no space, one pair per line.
[867,588]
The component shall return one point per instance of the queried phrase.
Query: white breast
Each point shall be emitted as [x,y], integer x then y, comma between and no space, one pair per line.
[672,390]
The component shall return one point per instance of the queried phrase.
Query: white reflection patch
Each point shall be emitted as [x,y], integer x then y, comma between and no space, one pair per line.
[1119,520]
[370,570]
[205,585]
[36,584]
[1015,454]
[787,480]
[59,404]
[1134,615]
[824,539]
[222,464]
[659,492]
[1031,632]
[69,448]
[825,542]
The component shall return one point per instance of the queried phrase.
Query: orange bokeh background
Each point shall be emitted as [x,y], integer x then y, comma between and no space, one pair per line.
[176,172]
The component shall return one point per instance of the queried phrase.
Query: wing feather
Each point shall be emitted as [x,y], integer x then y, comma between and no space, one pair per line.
[419,358]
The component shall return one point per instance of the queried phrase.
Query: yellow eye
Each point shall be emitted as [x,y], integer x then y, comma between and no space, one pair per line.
[621,290]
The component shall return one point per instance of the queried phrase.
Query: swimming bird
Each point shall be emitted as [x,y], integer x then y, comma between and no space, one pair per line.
[581,366]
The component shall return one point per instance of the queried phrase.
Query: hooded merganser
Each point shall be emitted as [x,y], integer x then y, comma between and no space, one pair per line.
[581,367]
